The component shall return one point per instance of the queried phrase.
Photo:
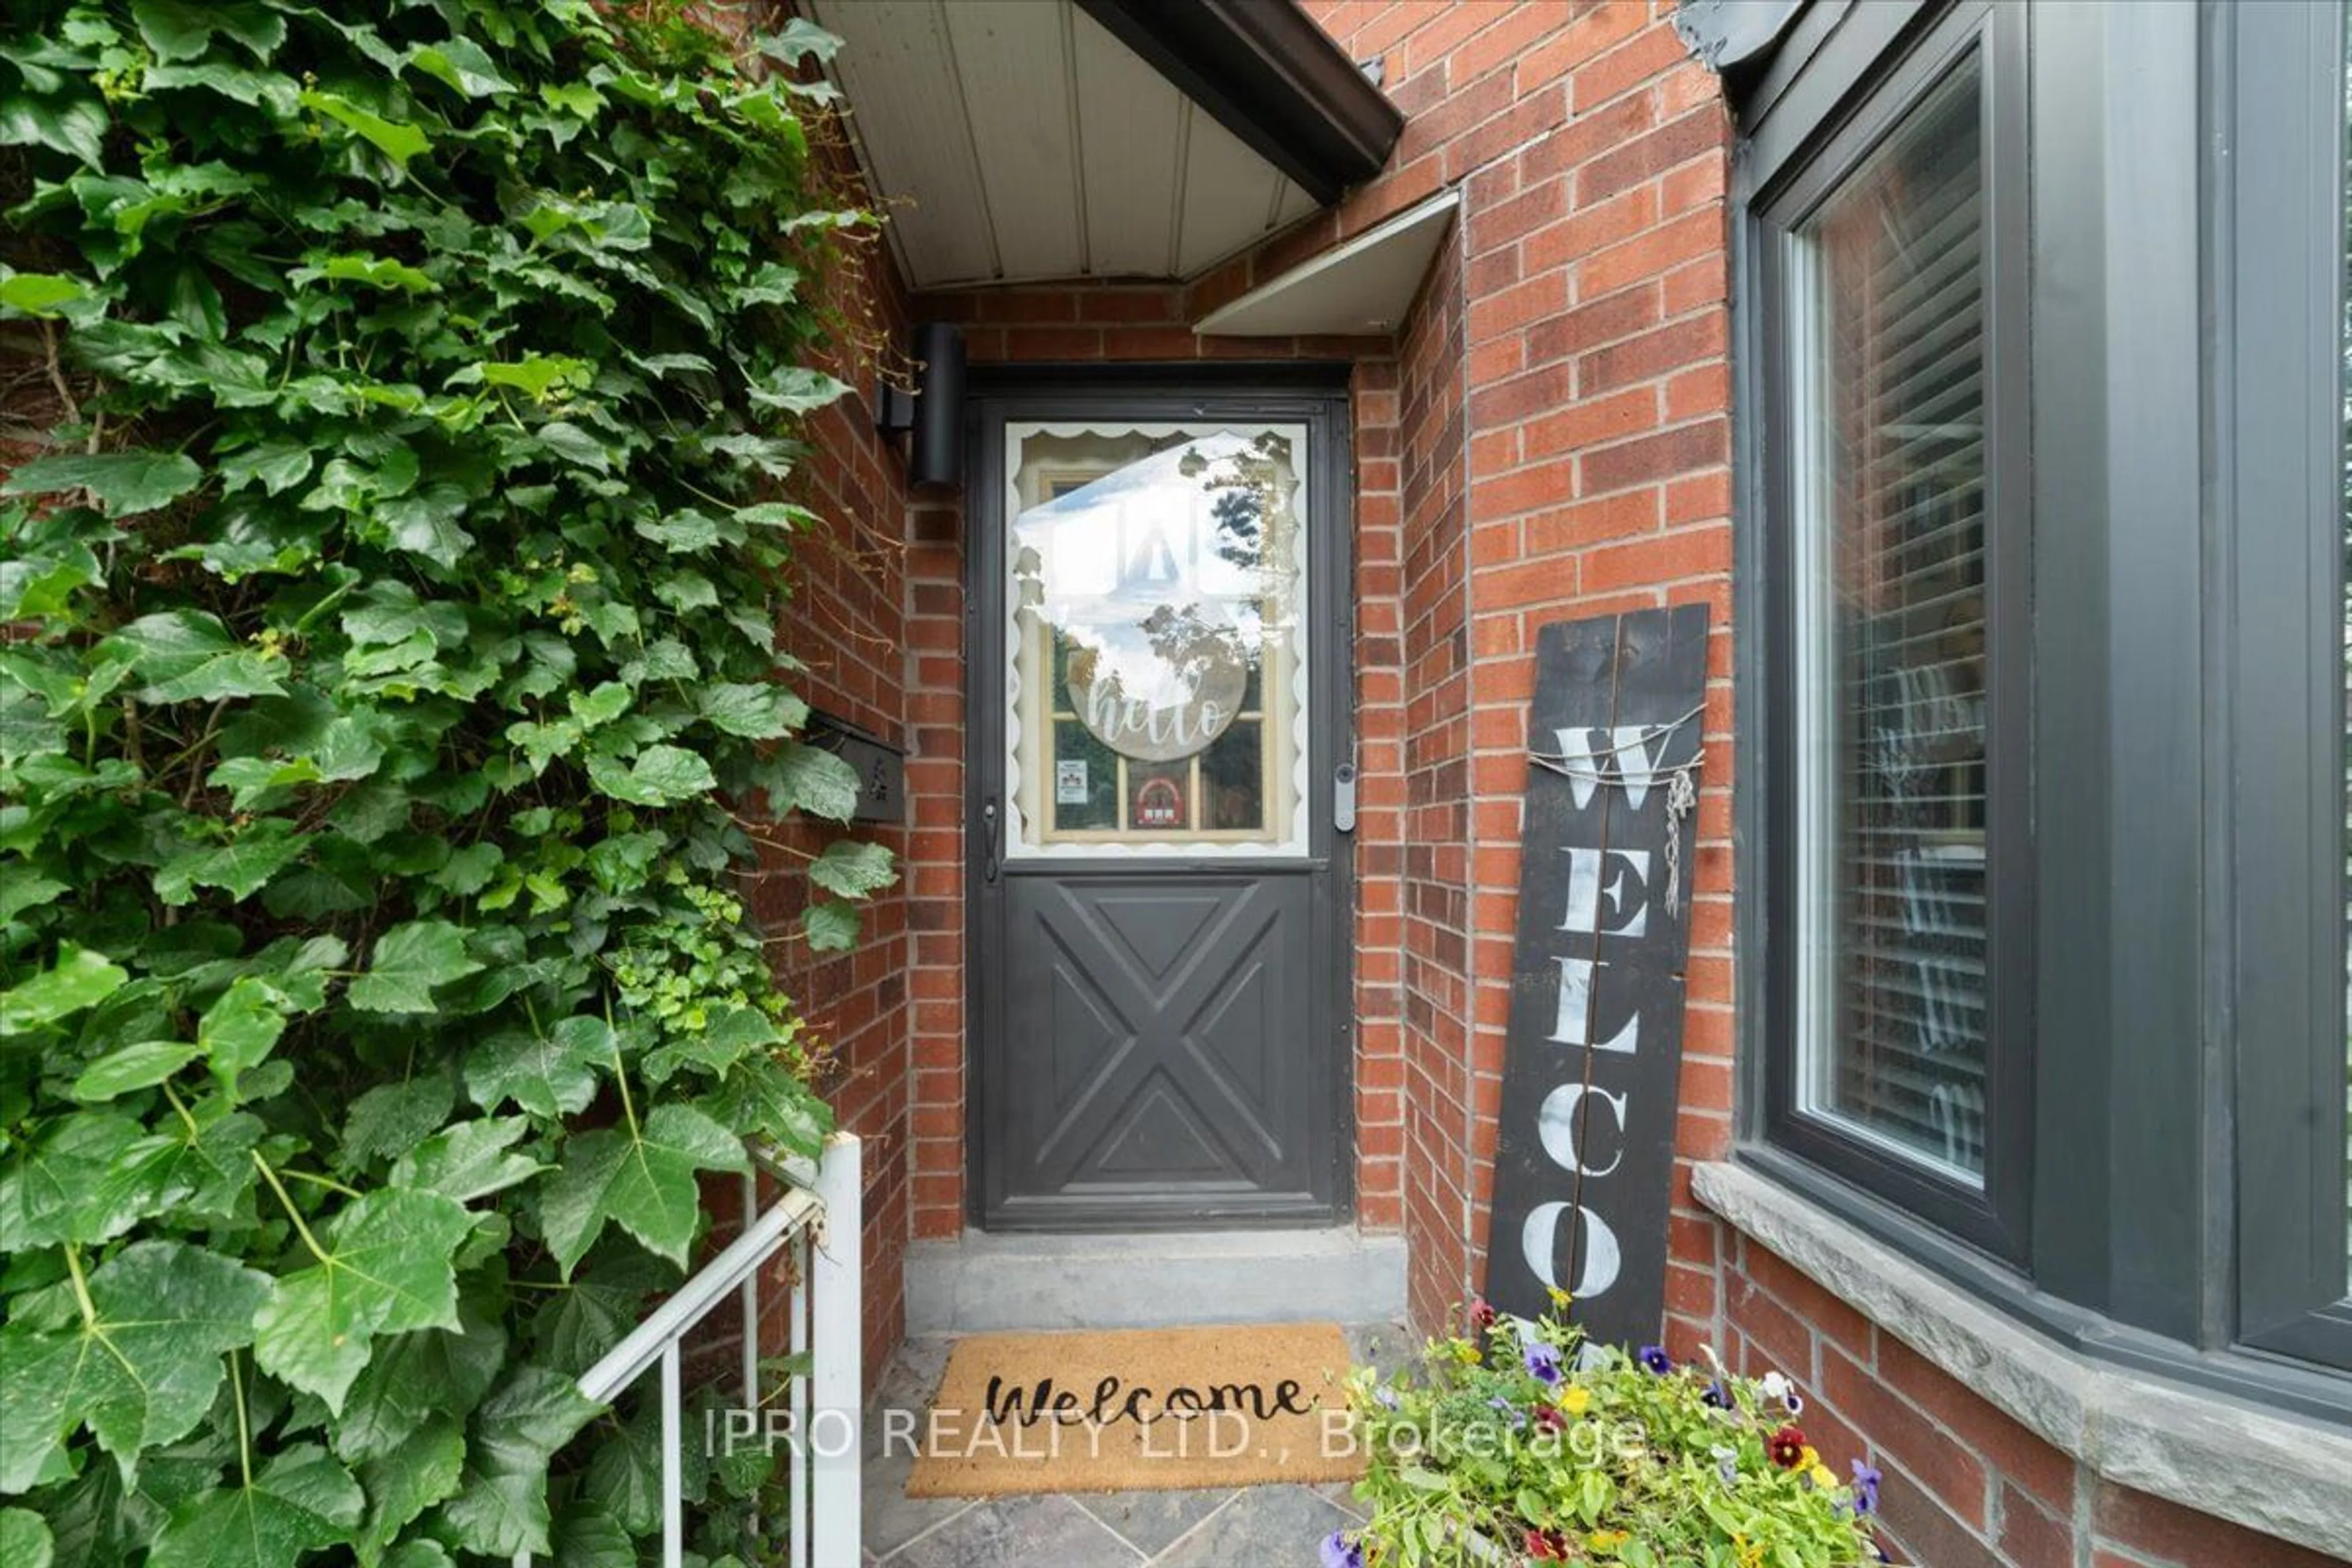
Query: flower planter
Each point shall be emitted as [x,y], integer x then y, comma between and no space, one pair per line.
[1522,1444]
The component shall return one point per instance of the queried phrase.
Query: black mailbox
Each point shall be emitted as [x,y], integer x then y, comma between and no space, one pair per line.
[881,766]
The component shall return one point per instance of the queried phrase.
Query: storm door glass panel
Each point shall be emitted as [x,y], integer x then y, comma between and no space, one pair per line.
[1887,361]
[1157,649]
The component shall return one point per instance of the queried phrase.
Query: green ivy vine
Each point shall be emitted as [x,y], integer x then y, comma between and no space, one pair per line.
[390,701]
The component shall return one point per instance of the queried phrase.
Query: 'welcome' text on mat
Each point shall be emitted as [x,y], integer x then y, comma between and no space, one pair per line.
[1142,1408]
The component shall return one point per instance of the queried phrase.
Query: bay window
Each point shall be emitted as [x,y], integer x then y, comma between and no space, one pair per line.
[2045,652]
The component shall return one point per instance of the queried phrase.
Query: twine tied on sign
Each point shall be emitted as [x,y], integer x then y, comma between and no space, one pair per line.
[1680,780]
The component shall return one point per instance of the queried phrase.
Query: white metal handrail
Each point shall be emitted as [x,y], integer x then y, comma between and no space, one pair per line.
[820,1215]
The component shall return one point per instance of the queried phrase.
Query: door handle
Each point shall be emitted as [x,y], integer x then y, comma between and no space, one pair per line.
[988,830]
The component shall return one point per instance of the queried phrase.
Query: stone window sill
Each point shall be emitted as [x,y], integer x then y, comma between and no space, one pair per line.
[2272,1472]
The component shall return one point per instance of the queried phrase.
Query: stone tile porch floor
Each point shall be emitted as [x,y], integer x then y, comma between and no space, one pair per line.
[1275,1526]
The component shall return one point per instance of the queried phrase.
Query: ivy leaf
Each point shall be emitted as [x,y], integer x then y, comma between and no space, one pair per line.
[387,1267]
[661,776]
[277,466]
[24,1540]
[573,445]
[393,1117]
[238,1030]
[124,483]
[469,1160]
[414,1376]
[762,1099]
[730,1032]
[589,1536]
[830,925]
[239,868]
[461,64]
[141,1371]
[853,870]
[535,375]
[188,655]
[423,1471]
[19,892]
[799,39]
[254,783]
[802,777]
[503,1509]
[549,1074]
[643,1177]
[376,271]
[86,1179]
[758,710]
[143,1066]
[680,532]
[396,142]
[798,390]
[41,293]
[184,29]
[426,523]
[74,123]
[79,979]
[409,960]
[302,1502]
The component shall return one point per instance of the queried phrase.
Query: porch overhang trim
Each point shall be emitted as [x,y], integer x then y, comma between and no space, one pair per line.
[1268,74]
[1361,287]
[1731,37]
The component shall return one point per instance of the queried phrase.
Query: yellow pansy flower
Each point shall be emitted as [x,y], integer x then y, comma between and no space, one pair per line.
[1575,1400]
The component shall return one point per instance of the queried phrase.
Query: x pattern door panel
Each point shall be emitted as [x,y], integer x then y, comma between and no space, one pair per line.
[1152,1038]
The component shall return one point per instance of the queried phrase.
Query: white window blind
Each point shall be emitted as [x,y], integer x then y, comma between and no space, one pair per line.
[1888,378]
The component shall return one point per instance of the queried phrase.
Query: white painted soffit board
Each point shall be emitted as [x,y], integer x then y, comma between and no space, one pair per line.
[1364,286]
[1018,141]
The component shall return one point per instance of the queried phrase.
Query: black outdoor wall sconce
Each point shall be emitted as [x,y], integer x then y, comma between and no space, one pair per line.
[933,411]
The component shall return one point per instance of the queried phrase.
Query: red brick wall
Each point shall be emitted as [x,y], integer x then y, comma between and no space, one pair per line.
[1568,367]
[1436,982]
[846,622]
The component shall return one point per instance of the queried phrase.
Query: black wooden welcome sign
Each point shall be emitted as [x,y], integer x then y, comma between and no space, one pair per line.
[1585,1161]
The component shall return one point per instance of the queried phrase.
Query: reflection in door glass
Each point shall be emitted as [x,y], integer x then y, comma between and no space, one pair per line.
[1156,583]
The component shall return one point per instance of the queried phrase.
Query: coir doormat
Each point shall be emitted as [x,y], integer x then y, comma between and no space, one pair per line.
[1137,1409]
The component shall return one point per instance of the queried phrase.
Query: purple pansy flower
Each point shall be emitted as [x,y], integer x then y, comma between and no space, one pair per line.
[1655,1358]
[1716,1395]
[1339,1551]
[1518,1418]
[1865,1487]
[1543,1361]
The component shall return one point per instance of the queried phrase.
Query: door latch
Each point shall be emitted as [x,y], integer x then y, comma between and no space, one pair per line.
[1343,797]
[988,830]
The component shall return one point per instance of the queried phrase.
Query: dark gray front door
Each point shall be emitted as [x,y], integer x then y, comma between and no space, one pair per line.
[1159,889]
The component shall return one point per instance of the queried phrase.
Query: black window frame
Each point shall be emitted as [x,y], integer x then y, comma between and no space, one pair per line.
[1811,170]
[2279,394]
[2175,1037]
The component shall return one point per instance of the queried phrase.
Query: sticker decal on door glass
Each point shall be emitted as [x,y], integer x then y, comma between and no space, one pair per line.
[1157,647]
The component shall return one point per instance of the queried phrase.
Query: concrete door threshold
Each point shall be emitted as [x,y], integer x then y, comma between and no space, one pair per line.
[983,1283]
